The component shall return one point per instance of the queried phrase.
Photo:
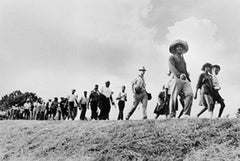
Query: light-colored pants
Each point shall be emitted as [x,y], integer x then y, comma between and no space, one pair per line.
[143,98]
[177,87]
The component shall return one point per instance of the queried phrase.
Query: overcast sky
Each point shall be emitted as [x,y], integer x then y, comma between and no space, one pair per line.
[50,47]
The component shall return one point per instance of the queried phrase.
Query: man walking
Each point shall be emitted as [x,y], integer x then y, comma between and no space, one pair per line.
[94,102]
[139,94]
[106,101]
[83,103]
[177,66]
[122,98]
[216,87]
[72,105]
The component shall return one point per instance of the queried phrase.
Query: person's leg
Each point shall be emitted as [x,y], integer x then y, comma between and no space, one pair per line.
[108,109]
[201,112]
[222,106]
[176,88]
[121,107]
[188,93]
[94,106]
[144,105]
[136,101]
[209,103]
[83,112]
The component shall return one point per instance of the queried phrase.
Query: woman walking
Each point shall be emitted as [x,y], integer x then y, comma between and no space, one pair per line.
[206,86]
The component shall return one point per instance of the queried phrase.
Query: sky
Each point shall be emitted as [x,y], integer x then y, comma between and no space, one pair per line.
[51,47]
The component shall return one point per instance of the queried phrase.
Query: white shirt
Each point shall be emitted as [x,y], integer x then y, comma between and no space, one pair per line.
[83,100]
[72,98]
[106,92]
[139,82]
[27,106]
[216,83]
[122,96]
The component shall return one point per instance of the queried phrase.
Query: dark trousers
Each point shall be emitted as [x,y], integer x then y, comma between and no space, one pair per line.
[105,109]
[72,110]
[121,105]
[94,106]
[83,112]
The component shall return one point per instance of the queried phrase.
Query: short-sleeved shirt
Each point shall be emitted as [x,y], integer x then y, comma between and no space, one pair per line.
[83,100]
[139,82]
[106,92]
[216,83]
[72,98]
[122,96]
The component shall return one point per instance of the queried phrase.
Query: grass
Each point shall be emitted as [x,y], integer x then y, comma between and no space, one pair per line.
[177,139]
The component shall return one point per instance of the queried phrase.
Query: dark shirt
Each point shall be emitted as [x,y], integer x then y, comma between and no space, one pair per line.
[94,96]
[177,66]
[205,83]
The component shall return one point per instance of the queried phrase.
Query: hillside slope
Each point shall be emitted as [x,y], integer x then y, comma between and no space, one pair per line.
[177,139]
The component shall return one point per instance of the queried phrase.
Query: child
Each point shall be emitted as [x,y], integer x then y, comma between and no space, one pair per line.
[206,86]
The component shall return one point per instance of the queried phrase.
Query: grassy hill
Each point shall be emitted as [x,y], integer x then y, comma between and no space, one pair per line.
[177,139]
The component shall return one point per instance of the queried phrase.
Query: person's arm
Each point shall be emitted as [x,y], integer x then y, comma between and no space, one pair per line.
[199,85]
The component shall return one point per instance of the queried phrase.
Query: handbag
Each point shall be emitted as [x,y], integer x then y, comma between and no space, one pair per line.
[160,109]
[149,96]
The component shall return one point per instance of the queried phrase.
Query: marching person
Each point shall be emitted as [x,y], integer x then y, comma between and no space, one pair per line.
[72,104]
[107,100]
[216,87]
[177,66]
[205,84]
[122,98]
[83,103]
[94,99]
[139,94]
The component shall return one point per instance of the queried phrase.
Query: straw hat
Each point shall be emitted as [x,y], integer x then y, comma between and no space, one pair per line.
[172,48]
[142,69]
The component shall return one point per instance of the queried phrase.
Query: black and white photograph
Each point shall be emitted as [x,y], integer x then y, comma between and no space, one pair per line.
[119,80]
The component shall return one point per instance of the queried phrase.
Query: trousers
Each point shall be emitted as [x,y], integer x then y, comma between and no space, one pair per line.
[143,98]
[179,86]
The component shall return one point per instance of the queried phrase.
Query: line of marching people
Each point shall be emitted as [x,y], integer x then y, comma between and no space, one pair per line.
[101,101]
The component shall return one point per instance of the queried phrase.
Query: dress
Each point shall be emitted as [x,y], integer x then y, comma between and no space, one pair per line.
[206,86]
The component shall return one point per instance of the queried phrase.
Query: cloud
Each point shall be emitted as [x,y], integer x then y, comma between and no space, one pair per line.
[222,13]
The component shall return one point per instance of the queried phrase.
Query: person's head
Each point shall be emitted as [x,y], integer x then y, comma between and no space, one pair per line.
[85,93]
[178,47]
[142,71]
[73,91]
[96,87]
[123,88]
[215,69]
[107,83]
[206,67]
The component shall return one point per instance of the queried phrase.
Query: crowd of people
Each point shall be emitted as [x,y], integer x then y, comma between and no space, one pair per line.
[178,88]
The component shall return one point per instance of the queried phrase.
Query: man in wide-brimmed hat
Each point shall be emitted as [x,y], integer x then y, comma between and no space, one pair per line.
[177,66]
[216,96]
[140,93]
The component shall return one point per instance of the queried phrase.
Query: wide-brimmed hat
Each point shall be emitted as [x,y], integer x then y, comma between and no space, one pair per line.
[172,48]
[216,66]
[206,65]
[142,69]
